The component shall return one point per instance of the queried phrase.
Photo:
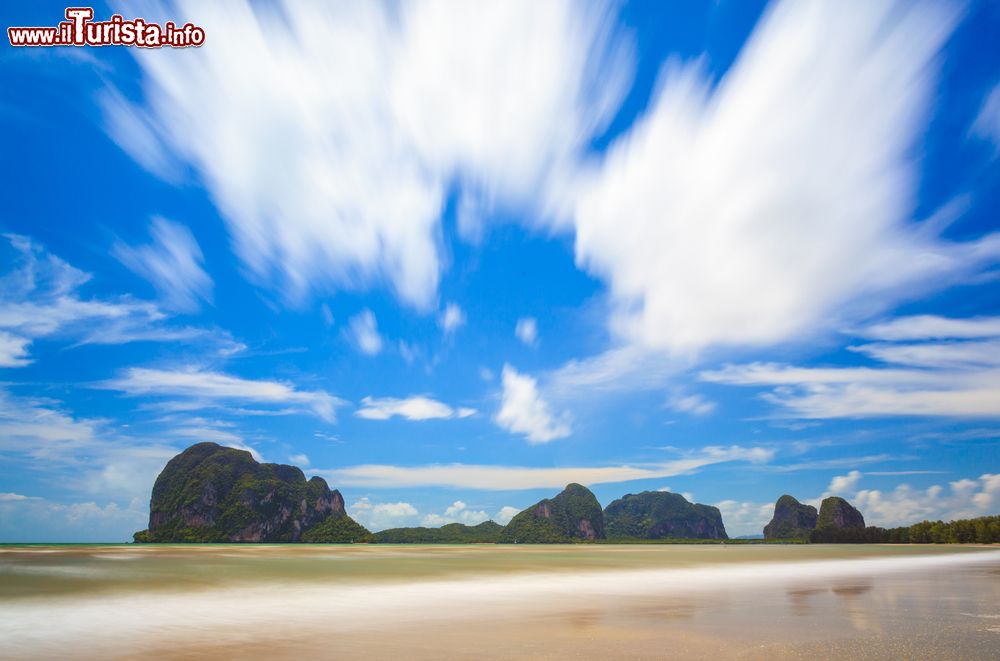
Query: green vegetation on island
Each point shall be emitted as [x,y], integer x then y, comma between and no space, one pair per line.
[837,513]
[792,520]
[211,493]
[661,514]
[982,530]
[337,529]
[573,515]
[487,532]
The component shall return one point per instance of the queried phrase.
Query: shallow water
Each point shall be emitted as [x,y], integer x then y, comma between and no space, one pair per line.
[493,601]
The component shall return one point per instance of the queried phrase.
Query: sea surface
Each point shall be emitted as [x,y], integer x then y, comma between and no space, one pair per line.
[500,602]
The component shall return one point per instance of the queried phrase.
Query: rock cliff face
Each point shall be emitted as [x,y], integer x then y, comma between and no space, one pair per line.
[210,493]
[792,520]
[574,514]
[835,512]
[660,514]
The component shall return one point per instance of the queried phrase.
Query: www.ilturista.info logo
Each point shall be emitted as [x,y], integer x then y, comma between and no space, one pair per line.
[79,29]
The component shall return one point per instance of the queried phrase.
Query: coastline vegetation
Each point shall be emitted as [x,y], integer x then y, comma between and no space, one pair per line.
[981,530]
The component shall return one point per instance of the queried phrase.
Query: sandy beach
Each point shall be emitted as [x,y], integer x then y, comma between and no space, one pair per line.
[500,602]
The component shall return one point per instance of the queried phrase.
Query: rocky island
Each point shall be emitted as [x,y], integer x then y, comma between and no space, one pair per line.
[211,493]
[792,520]
[661,515]
[574,514]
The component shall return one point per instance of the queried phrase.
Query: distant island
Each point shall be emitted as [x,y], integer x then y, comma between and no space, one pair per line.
[210,493]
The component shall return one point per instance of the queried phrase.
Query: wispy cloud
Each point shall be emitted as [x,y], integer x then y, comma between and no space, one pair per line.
[201,387]
[39,298]
[451,318]
[987,123]
[778,202]
[417,407]
[501,478]
[526,330]
[362,330]
[43,520]
[13,350]
[339,177]
[959,378]
[172,263]
[692,403]
[90,456]
[931,327]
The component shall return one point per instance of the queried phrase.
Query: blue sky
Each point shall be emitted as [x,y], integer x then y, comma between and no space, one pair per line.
[451,257]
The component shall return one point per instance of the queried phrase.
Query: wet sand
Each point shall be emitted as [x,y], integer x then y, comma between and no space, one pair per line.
[500,602]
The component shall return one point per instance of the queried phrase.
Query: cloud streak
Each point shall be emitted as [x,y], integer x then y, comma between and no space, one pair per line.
[417,407]
[502,478]
[203,387]
[172,263]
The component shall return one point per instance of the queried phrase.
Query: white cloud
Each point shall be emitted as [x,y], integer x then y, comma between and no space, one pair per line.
[779,201]
[84,455]
[363,331]
[42,520]
[932,327]
[837,462]
[527,330]
[687,494]
[949,355]
[9,496]
[202,387]
[624,368]
[523,411]
[987,123]
[379,516]
[173,264]
[132,129]
[744,518]
[500,478]
[505,514]
[412,408]
[457,512]
[451,319]
[835,392]
[300,460]
[41,428]
[13,350]
[39,298]
[694,404]
[844,483]
[339,175]
[905,505]
[949,375]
